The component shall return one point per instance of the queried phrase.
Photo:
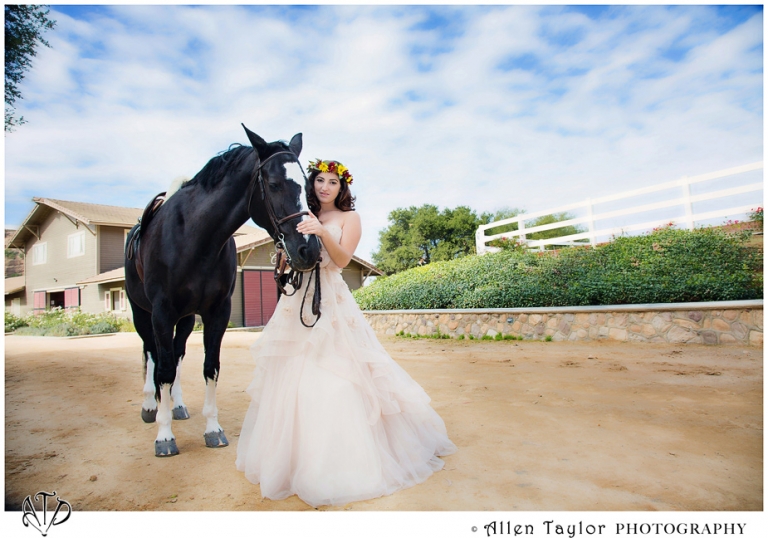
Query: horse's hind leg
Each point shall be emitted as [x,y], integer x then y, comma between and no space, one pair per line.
[214,326]
[142,320]
[183,330]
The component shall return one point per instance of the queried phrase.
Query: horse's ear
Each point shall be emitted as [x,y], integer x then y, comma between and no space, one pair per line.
[258,143]
[295,144]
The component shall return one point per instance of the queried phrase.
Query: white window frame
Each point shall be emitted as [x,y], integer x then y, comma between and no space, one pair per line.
[75,238]
[40,250]
[122,302]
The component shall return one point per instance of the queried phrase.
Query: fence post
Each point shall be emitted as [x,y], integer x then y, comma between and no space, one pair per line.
[687,202]
[591,223]
[480,240]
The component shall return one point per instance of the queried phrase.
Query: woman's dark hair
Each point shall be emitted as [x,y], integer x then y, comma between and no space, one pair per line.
[344,201]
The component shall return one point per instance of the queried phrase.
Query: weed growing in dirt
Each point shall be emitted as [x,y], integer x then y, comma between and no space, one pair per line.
[442,336]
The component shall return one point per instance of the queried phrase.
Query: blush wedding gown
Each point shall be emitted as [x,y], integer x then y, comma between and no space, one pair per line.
[333,418]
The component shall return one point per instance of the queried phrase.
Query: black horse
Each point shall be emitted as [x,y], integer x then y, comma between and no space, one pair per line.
[181,261]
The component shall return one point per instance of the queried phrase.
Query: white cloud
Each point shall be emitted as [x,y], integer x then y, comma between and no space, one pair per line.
[126,101]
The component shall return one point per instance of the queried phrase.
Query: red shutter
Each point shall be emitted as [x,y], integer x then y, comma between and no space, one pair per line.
[39,300]
[252,298]
[71,297]
[259,297]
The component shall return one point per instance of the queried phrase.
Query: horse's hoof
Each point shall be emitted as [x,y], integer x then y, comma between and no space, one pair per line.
[148,416]
[166,448]
[180,413]
[215,439]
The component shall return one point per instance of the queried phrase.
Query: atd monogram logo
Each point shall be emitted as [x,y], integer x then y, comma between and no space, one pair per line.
[30,516]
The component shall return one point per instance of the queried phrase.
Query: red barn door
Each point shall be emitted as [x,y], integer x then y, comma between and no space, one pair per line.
[259,297]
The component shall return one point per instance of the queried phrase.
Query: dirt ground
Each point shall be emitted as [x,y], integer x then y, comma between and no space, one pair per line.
[539,426]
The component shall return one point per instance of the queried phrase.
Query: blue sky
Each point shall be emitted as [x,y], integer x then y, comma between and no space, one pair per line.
[494,106]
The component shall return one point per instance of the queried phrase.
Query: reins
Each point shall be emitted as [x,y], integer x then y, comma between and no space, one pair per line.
[283,258]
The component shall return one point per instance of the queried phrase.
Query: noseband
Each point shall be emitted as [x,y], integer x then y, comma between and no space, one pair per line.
[283,259]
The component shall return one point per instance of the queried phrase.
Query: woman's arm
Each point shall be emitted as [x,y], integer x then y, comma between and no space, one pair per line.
[340,253]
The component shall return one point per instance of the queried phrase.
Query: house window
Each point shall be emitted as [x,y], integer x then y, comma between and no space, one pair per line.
[114,300]
[75,244]
[39,253]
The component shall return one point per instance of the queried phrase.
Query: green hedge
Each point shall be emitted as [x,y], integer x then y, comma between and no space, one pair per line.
[58,322]
[665,266]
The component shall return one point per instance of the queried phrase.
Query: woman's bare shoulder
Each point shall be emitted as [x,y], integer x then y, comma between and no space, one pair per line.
[351,217]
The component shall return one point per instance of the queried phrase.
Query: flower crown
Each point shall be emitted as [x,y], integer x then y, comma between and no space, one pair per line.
[334,167]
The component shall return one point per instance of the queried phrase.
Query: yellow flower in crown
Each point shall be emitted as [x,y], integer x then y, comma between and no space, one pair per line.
[334,167]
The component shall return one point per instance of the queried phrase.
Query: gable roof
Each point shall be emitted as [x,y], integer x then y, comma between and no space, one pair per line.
[89,214]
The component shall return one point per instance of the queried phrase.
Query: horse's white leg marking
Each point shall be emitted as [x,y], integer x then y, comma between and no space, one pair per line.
[164,432]
[149,385]
[210,411]
[176,390]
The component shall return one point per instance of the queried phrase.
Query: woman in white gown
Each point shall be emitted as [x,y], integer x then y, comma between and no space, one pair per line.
[333,418]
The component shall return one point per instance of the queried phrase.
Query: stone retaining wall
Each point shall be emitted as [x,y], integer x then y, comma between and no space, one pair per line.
[729,322]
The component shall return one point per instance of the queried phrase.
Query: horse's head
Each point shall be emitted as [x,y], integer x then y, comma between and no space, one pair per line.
[275,203]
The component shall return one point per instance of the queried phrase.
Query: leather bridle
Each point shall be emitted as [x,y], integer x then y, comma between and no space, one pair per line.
[283,258]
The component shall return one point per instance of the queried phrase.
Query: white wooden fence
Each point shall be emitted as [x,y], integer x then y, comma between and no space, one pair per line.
[619,220]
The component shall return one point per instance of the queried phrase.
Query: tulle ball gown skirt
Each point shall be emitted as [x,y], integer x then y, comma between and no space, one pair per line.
[333,418]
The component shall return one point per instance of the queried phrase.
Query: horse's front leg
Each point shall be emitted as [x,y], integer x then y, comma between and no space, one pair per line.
[165,374]
[183,330]
[214,326]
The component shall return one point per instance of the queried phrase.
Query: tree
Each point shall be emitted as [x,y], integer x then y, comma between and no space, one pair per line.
[421,235]
[24,27]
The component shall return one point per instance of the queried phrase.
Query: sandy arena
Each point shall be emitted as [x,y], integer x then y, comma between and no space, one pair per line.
[539,426]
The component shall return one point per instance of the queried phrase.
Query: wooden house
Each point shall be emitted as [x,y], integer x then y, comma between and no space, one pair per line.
[74,258]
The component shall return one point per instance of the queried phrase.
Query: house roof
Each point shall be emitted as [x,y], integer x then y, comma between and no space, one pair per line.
[261,237]
[252,240]
[115,275]
[89,214]
[14,284]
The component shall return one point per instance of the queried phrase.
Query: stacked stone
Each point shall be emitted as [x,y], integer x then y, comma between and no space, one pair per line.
[706,326]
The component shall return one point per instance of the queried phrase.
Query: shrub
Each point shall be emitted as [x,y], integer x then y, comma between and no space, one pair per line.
[664,266]
[13,322]
[58,322]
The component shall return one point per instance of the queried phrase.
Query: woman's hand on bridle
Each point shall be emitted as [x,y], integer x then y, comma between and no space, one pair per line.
[311,225]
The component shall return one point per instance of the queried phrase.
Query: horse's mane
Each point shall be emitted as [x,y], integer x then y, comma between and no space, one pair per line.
[216,169]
